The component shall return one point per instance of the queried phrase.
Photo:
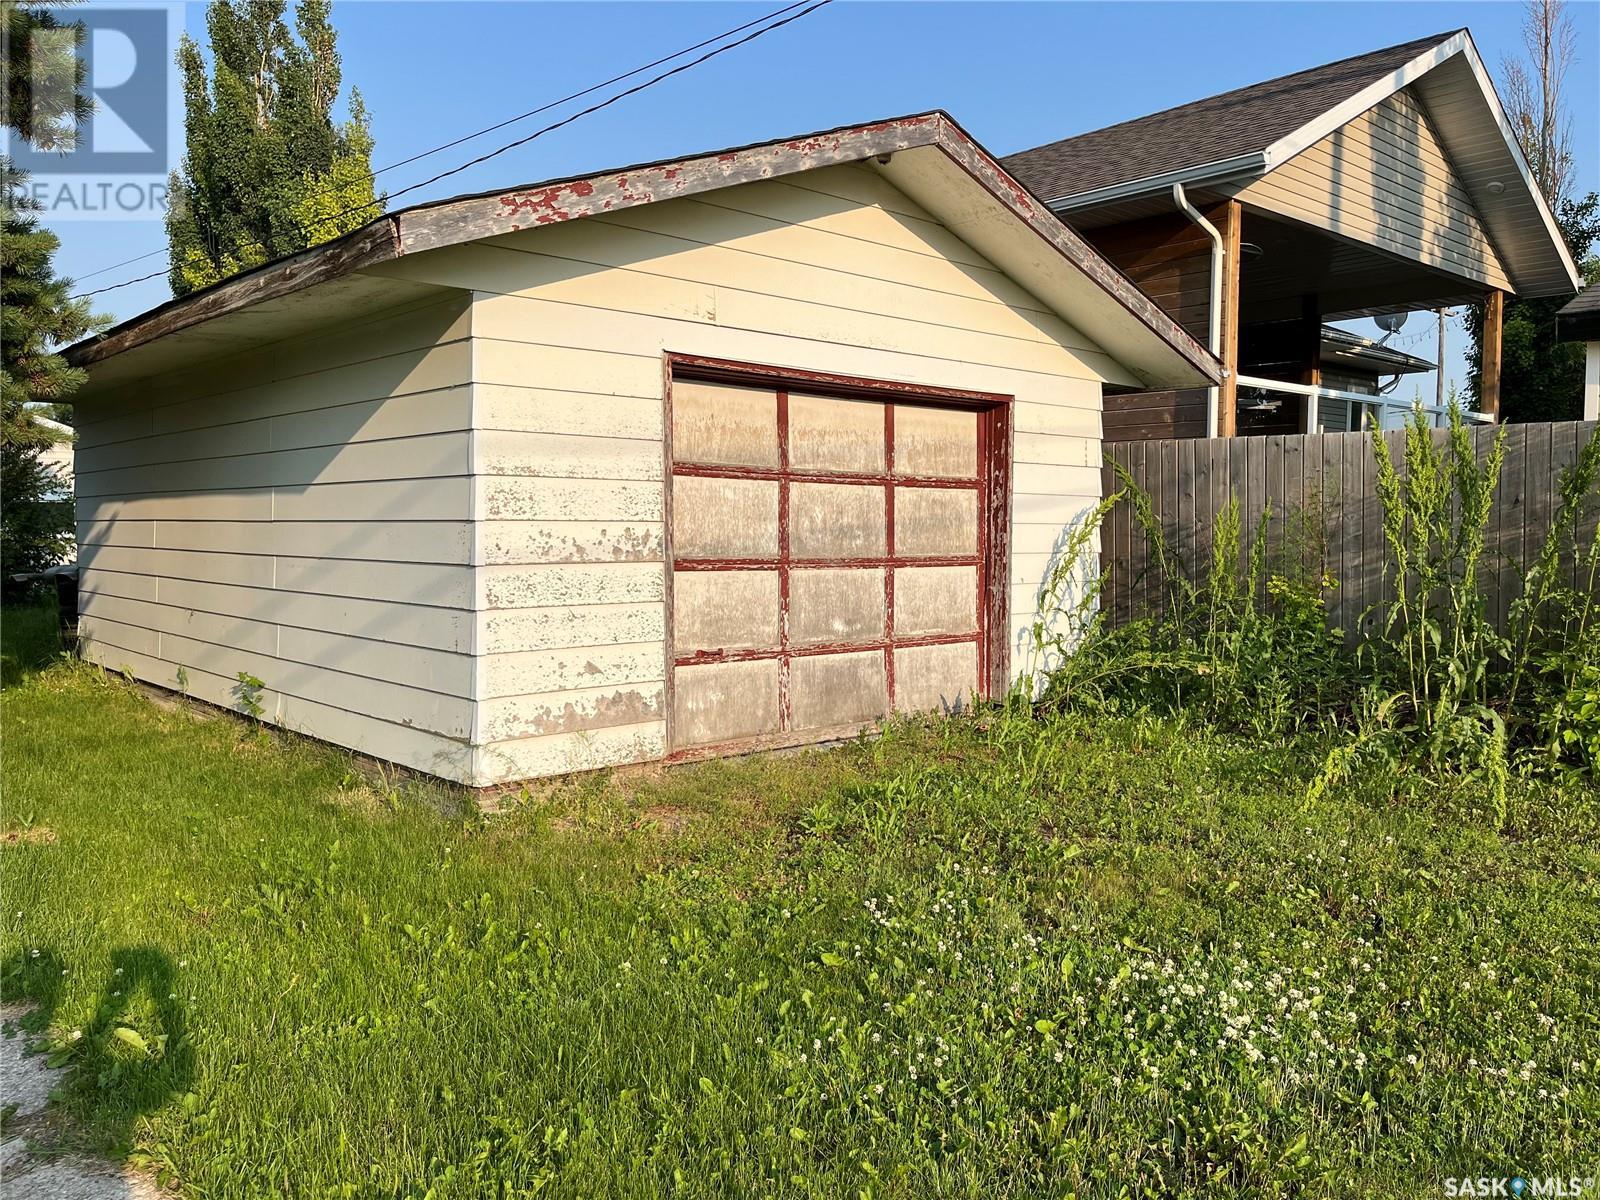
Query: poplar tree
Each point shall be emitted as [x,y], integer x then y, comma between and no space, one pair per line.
[1541,379]
[266,170]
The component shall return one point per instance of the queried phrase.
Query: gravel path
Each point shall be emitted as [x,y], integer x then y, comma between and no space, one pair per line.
[30,1169]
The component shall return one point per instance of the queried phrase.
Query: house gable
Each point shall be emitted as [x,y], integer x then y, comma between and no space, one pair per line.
[1384,180]
[1218,147]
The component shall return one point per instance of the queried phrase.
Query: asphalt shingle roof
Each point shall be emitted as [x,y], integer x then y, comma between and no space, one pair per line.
[1586,304]
[1243,121]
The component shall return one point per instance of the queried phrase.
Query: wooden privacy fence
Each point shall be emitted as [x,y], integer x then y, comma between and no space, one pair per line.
[1325,510]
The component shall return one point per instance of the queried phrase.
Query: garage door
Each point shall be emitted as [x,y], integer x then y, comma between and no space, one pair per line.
[828,561]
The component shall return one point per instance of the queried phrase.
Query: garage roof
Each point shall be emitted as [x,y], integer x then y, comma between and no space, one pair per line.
[928,156]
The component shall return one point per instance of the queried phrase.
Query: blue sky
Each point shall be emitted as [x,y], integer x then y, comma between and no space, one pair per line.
[1015,75]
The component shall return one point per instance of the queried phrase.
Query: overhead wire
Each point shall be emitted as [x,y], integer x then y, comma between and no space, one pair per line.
[806,9]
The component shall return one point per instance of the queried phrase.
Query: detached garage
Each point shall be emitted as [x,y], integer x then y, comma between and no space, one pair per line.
[743,450]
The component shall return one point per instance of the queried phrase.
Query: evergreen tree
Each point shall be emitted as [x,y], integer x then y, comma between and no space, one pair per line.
[45,97]
[266,172]
[37,313]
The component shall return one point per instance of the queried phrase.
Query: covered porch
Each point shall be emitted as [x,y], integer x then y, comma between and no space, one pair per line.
[1384,184]
[1294,282]
[1281,286]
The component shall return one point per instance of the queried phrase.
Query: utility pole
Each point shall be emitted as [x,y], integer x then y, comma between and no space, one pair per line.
[1444,315]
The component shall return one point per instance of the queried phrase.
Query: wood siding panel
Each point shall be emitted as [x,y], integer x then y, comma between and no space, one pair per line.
[1383,179]
[311,528]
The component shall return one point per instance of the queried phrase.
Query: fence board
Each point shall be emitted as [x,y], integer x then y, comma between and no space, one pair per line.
[1205,512]
[1330,490]
[1330,478]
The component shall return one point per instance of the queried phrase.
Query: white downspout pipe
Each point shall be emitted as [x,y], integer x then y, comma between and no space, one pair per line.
[1214,312]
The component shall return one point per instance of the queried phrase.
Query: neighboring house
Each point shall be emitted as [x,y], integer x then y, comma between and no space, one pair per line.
[1580,322]
[1383,183]
[734,451]
[1348,363]
[59,454]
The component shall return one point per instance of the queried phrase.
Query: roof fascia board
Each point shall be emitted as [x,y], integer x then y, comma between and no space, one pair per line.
[1221,170]
[1578,327]
[451,222]
[375,242]
[1342,114]
[471,218]
[969,155]
[1492,99]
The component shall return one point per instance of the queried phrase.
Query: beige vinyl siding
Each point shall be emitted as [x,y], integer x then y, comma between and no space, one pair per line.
[835,272]
[301,513]
[1383,179]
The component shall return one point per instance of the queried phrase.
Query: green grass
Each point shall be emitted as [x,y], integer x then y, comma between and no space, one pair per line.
[1011,959]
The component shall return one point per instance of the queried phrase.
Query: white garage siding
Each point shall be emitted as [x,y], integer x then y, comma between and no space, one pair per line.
[835,271]
[300,513]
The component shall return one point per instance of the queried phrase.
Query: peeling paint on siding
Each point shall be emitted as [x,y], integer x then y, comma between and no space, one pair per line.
[568,712]
[508,542]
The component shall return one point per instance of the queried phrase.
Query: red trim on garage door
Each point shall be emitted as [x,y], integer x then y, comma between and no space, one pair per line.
[991,560]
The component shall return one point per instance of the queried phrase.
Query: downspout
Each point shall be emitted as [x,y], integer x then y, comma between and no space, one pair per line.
[1214,311]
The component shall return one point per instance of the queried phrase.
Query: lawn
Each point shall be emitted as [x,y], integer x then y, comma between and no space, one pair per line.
[991,957]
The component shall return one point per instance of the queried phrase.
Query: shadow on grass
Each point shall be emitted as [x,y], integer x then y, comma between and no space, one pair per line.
[126,1062]
[30,640]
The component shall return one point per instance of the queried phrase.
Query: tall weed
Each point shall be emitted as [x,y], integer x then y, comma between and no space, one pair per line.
[1245,647]
[1428,684]
[1432,646]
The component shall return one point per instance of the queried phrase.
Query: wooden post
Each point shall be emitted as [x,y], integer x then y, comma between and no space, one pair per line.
[1228,219]
[1311,372]
[1494,313]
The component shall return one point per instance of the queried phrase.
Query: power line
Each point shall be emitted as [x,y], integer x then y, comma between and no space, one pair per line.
[111,287]
[593,108]
[524,116]
[125,262]
[533,112]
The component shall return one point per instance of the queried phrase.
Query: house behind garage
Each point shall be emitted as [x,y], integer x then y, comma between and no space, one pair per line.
[740,450]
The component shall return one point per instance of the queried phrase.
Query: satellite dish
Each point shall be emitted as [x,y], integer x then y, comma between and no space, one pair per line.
[1390,323]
